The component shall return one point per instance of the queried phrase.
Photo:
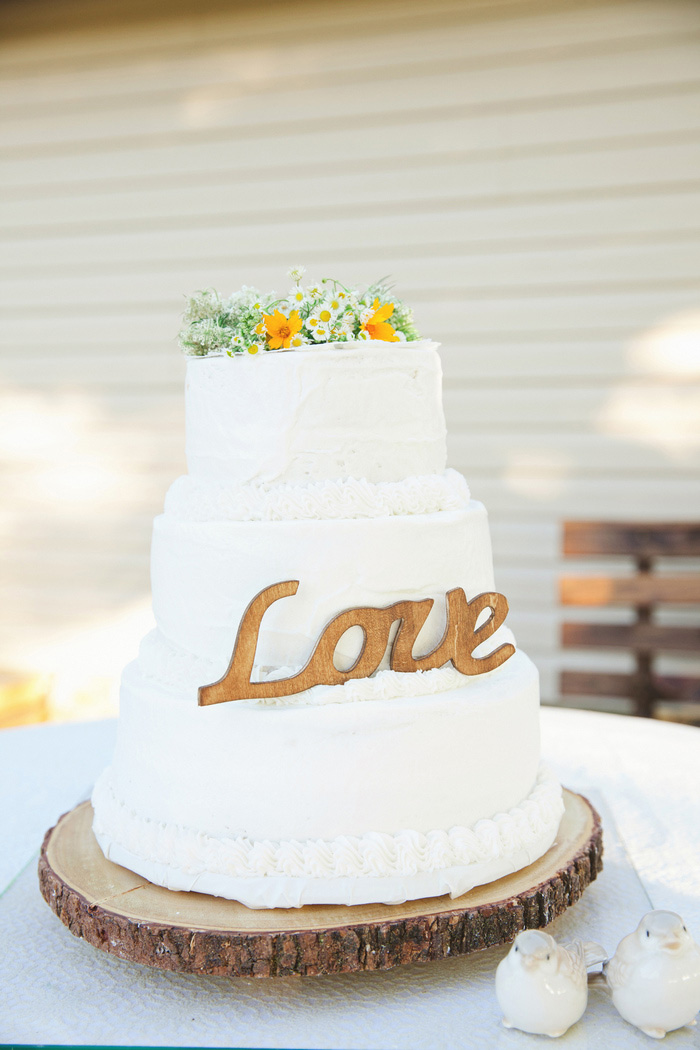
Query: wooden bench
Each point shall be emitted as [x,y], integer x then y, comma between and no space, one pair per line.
[644,592]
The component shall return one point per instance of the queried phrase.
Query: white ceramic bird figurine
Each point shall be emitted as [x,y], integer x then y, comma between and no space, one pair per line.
[654,975]
[542,986]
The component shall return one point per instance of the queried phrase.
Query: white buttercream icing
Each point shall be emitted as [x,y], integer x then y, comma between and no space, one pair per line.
[385,685]
[205,573]
[357,411]
[372,854]
[413,761]
[196,499]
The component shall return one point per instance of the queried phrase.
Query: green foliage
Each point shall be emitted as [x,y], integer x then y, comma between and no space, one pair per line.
[250,321]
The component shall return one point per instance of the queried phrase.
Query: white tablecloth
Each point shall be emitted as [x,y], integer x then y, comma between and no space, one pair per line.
[643,776]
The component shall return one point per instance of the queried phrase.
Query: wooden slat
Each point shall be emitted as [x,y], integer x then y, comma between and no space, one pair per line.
[590,683]
[52,38]
[677,687]
[676,408]
[83,39]
[637,636]
[578,63]
[535,498]
[590,128]
[634,590]
[647,540]
[556,270]
[548,455]
[473,229]
[413,86]
[431,187]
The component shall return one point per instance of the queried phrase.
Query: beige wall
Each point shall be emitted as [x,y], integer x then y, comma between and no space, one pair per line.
[528,173]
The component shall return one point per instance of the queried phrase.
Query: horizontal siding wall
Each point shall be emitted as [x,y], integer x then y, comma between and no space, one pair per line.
[527,172]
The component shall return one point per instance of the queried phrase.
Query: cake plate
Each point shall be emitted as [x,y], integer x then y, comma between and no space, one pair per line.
[123,914]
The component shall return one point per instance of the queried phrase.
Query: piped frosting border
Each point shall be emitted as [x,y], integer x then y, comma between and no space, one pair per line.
[189,499]
[375,854]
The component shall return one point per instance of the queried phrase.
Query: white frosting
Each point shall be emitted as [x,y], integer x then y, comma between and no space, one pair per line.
[204,575]
[324,466]
[195,499]
[360,411]
[303,771]
[385,685]
[289,873]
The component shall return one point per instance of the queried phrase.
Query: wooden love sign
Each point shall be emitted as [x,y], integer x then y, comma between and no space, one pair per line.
[458,642]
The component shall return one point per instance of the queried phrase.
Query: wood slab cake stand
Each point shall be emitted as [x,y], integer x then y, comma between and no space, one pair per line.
[121,913]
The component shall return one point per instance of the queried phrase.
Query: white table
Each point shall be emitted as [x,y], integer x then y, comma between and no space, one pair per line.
[643,776]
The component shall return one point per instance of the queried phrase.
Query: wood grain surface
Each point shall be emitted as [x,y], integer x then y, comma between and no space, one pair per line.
[461,636]
[123,914]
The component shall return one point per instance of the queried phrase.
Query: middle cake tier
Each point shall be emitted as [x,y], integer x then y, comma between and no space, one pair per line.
[205,573]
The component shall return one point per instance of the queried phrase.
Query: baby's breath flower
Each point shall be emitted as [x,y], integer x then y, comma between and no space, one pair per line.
[202,305]
[315,313]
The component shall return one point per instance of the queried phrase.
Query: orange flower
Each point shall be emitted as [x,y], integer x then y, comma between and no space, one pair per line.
[280,329]
[377,326]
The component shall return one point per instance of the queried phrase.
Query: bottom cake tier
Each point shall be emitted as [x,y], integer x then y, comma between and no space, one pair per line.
[383,790]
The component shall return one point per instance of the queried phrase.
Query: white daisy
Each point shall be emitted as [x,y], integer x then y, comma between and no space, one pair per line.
[297,296]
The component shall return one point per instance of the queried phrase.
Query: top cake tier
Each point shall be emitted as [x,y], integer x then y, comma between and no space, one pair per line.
[366,410]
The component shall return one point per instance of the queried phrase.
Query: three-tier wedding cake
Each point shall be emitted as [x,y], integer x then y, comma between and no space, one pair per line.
[325,466]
